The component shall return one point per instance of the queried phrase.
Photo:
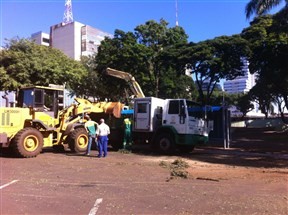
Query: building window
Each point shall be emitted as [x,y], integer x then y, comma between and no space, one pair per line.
[83,46]
[45,40]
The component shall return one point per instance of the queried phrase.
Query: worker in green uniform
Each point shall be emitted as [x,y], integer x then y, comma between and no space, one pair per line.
[127,142]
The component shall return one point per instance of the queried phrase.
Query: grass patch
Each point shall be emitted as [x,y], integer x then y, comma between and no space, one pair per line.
[124,151]
[164,164]
[177,168]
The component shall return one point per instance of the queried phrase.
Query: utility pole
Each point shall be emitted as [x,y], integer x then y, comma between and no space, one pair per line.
[225,122]
[68,15]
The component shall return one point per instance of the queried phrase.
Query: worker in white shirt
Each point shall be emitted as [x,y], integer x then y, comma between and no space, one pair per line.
[104,131]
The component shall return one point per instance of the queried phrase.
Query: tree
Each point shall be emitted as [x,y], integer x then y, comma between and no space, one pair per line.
[91,85]
[262,94]
[268,40]
[25,63]
[244,104]
[122,52]
[212,60]
[261,7]
[158,37]
[143,54]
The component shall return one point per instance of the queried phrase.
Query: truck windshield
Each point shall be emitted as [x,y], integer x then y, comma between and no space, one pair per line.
[195,109]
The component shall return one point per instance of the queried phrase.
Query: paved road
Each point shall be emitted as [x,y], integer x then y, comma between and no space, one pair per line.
[66,183]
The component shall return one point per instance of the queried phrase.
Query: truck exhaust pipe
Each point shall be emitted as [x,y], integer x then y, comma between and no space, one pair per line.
[7,100]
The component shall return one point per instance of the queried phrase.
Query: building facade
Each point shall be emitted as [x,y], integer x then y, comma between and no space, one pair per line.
[76,39]
[205,86]
[73,39]
[241,84]
[41,38]
[91,39]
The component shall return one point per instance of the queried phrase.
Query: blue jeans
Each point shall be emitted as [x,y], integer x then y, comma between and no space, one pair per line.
[103,145]
[92,138]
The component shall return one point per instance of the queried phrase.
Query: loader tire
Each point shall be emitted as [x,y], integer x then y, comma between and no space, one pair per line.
[27,143]
[165,143]
[78,140]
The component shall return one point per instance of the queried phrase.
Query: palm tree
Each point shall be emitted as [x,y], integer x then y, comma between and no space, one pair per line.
[261,7]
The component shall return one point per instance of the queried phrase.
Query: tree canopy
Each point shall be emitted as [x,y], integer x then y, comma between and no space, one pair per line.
[142,54]
[25,63]
[160,58]
[261,7]
[210,61]
[268,39]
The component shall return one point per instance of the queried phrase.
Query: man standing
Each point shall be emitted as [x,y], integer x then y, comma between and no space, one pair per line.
[92,130]
[104,131]
[127,133]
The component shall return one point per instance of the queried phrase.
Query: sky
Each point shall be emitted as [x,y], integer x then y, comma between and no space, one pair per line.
[201,19]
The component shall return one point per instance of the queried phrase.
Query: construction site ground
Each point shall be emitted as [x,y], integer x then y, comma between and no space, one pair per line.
[251,177]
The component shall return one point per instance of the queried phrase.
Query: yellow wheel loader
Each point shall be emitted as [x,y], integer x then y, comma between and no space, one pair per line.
[41,120]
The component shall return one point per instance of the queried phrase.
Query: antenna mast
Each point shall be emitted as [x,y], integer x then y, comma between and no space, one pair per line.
[176,8]
[68,16]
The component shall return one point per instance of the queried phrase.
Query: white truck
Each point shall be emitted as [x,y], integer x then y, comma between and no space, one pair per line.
[169,124]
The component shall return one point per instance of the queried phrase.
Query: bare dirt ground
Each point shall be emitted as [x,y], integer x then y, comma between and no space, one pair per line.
[248,178]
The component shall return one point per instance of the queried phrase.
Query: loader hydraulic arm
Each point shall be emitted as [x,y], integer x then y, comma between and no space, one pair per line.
[134,86]
[76,111]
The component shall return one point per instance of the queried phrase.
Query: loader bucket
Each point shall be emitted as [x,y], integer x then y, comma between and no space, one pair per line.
[113,108]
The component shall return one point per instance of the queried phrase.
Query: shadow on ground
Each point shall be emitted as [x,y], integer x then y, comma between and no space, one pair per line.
[248,148]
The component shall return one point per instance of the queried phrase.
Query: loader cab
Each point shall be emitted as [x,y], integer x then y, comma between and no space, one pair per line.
[42,99]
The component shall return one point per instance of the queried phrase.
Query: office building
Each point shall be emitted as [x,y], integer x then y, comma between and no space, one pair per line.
[74,39]
[241,84]
[206,84]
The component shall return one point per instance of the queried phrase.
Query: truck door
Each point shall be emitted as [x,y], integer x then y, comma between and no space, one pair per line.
[142,115]
[176,115]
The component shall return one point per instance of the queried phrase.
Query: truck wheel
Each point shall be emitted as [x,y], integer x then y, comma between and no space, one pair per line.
[27,143]
[78,140]
[165,143]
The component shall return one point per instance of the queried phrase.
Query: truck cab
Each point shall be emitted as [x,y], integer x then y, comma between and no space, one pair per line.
[170,123]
